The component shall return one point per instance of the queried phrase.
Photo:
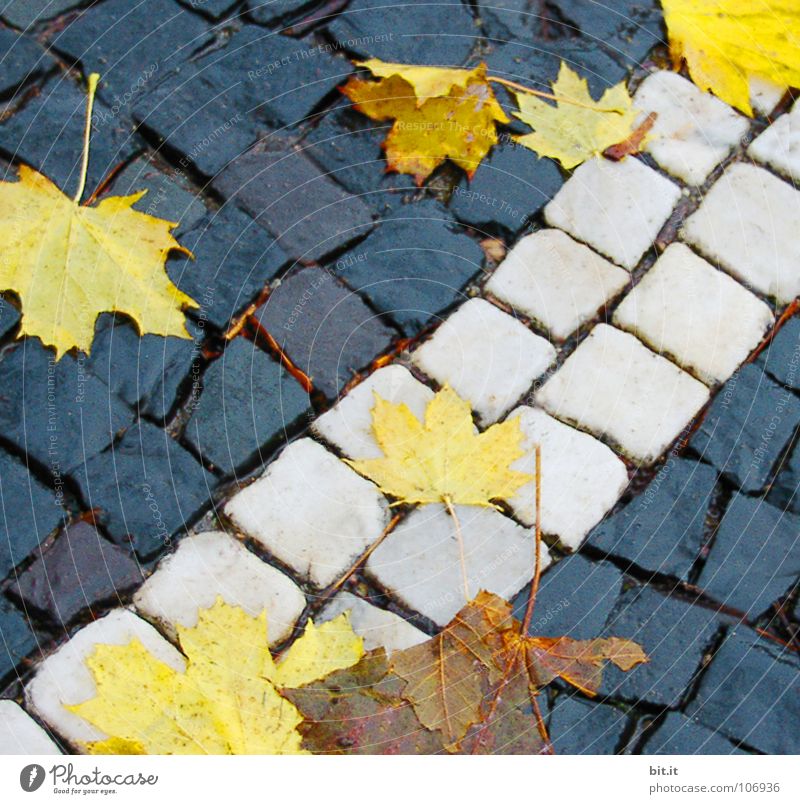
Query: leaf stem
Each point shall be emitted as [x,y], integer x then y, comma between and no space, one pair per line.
[538,540]
[549,96]
[460,537]
[87,132]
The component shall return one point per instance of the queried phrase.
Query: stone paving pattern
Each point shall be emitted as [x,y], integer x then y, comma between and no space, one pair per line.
[632,293]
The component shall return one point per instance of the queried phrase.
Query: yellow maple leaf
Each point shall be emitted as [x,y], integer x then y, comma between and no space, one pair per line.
[68,263]
[226,702]
[576,127]
[727,42]
[439,113]
[443,459]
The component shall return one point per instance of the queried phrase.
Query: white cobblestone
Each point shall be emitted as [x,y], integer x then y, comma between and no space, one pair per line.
[694,314]
[348,425]
[63,679]
[311,511]
[211,565]
[765,95]
[779,145]
[747,222]
[21,734]
[693,130]
[379,628]
[582,478]
[420,561]
[488,357]
[616,388]
[616,207]
[556,281]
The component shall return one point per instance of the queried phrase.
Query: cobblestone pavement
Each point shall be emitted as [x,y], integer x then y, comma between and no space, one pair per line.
[629,327]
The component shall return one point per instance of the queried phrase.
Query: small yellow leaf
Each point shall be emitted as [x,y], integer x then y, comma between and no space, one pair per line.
[226,702]
[727,42]
[572,132]
[439,114]
[444,459]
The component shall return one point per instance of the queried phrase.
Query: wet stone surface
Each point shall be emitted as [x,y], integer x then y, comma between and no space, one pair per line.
[291,198]
[25,13]
[754,558]
[441,34]
[234,259]
[580,727]
[25,136]
[325,329]
[56,411]
[747,427]
[166,486]
[24,60]
[675,636]
[79,571]
[678,734]
[36,511]
[17,637]
[575,598]
[413,281]
[762,718]
[662,530]
[248,401]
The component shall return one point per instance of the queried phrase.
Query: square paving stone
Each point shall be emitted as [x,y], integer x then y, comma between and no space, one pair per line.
[509,187]
[750,694]
[29,512]
[21,734]
[248,401]
[47,131]
[693,131]
[742,224]
[662,529]
[63,679]
[694,314]
[17,640]
[747,427]
[413,279]
[575,598]
[555,281]
[234,258]
[581,727]
[213,565]
[143,370]
[419,563]
[147,486]
[779,145]
[347,146]
[754,559]
[24,13]
[132,45]
[348,424]
[581,477]
[678,734]
[312,512]
[168,195]
[326,330]
[673,634]
[23,60]
[378,628]
[308,213]
[57,412]
[77,572]
[781,358]
[616,388]
[415,32]
[488,357]
[616,207]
